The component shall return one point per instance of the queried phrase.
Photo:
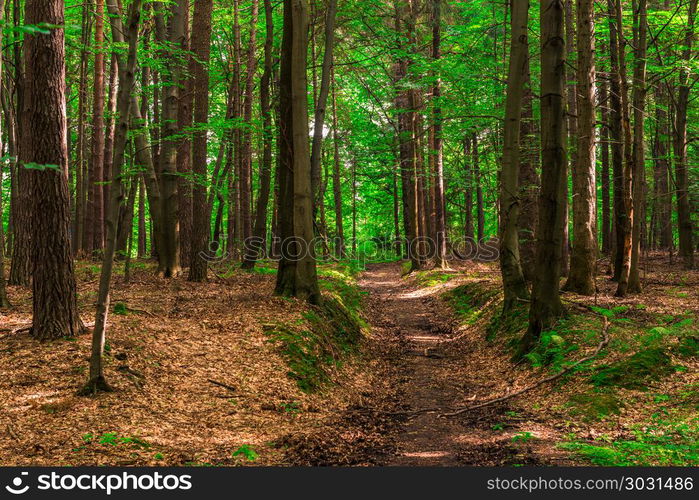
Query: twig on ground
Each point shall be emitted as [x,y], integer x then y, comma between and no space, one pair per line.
[603,343]
[221,384]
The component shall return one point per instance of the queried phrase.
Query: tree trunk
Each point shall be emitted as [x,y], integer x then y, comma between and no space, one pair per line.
[184,144]
[625,223]
[438,202]
[109,133]
[127,68]
[514,285]
[684,214]
[201,48]
[604,147]
[260,227]
[480,213]
[546,303]
[4,301]
[45,153]
[297,275]
[337,182]
[583,262]
[639,155]
[321,103]
[169,254]
[663,195]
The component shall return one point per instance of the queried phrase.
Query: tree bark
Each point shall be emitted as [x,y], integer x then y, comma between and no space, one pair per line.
[684,216]
[297,274]
[514,284]
[201,48]
[260,227]
[127,68]
[583,262]
[438,201]
[45,154]
[546,304]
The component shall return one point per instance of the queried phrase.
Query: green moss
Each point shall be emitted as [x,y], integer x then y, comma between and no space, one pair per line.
[595,405]
[636,371]
[471,301]
[333,332]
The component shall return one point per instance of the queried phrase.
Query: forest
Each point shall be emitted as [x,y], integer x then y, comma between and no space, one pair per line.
[349,232]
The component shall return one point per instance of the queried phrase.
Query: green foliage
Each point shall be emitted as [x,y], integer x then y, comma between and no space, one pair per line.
[120,308]
[635,372]
[523,437]
[471,300]
[247,452]
[594,405]
[333,331]
[663,443]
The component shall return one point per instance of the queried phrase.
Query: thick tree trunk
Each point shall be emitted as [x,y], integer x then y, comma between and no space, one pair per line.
[297,275]
[605,187]
[201,48]
[4,301]
[514,284]
[583,262]
[546,303]
[169,253]
[45,153]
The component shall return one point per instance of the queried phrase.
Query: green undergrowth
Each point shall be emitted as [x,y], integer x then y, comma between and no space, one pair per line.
[632,385]
[665,441]
[317,344]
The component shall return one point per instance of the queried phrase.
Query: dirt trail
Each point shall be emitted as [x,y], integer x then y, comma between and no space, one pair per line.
[413,319]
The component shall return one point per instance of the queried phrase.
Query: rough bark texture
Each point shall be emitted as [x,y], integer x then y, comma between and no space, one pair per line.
[297,274]
[684,215]
[514,284]
[583,260]
[260,226]
[45,154]
[546,302]
[639,155]
[201,48]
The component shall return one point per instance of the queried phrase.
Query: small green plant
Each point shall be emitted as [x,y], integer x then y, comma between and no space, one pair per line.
[158,456]
[291,408]
[246,452]
[523,437]
[120,308]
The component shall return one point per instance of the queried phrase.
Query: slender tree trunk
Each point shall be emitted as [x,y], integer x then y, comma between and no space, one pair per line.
[260,227]
[546,303]
[321,104]
[583,264]
[663,195]
[127,68]
[604,147]
[639,156]
[142,233]
[297,275]
[95,199]
[20,268]
[438,202]
[625,225]
[514,285]
[109,133]
[337,182]
[184,144]
[201,48]
[55,307]
[684,214]
[4,301]
[480,213]
[468,194]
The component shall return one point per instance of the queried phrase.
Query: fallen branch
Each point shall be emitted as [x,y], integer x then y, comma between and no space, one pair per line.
[221,384]
[603,343]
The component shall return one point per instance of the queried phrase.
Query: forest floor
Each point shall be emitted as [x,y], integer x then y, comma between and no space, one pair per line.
[224,373]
